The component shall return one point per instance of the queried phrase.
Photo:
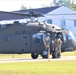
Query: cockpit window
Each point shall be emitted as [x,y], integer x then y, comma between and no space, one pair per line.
[64,38]
[71,36]
[37,38]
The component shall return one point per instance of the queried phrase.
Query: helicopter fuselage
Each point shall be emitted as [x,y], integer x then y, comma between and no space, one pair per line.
[29,38]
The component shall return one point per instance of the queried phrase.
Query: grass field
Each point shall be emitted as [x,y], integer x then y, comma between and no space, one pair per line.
[39,68]
[73,53]
[29,55]
[67,67]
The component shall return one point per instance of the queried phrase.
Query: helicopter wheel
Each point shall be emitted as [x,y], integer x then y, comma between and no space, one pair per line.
[44,57]
[44,54]
[34,55]
[54,54]
[58,55]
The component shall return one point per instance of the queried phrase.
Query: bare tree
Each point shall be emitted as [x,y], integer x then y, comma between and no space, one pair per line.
[23,7]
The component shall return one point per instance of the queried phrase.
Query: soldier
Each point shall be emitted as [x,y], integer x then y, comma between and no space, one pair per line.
[47,44]
[57,45]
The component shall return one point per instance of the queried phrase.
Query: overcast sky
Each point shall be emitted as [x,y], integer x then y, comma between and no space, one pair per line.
[11,5]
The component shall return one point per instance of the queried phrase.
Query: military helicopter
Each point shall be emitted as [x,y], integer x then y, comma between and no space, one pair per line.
[29,37]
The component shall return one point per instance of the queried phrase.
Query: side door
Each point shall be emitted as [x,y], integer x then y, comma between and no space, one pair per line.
[27,43]
[19,43]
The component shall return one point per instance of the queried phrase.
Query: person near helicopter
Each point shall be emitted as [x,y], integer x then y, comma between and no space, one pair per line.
[57,47]
[47,45]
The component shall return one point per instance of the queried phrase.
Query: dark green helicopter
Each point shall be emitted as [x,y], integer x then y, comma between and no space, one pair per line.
[29,37]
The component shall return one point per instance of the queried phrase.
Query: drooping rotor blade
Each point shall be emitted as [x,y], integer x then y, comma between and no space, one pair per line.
[18,15]
[11,15]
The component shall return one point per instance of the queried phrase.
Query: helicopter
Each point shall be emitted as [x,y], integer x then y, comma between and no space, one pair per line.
[19,38]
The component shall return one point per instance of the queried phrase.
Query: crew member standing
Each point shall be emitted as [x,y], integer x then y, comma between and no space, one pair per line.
[47,44]
[57,45]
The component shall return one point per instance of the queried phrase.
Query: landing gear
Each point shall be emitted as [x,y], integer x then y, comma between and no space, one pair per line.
[34,55]
[56,54]
[45,54]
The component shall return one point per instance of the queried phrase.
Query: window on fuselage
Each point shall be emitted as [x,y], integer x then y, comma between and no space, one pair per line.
[71,36]
[37,38]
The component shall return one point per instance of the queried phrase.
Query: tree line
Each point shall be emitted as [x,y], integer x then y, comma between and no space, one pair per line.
[68,3]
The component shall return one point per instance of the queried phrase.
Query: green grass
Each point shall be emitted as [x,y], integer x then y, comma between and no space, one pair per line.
[29,55]
[39,68]
[73,53]
[67,67]
[2,56]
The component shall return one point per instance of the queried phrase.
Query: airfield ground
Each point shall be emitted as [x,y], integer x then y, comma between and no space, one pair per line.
[52,67]
[3,56]
[67,67]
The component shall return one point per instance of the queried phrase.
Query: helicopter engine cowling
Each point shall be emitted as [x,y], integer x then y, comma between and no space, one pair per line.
[36,26]
[51,27]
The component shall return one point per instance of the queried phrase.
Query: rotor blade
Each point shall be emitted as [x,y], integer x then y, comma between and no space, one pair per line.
[18,15]
[11,15]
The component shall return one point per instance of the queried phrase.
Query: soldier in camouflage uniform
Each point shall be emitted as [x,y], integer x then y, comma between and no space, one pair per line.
[47,44]
[57,45]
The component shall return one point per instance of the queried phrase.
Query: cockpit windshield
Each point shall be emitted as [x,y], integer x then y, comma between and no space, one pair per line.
[71,36]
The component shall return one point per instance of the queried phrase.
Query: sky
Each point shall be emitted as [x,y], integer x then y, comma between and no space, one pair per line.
[12,5]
